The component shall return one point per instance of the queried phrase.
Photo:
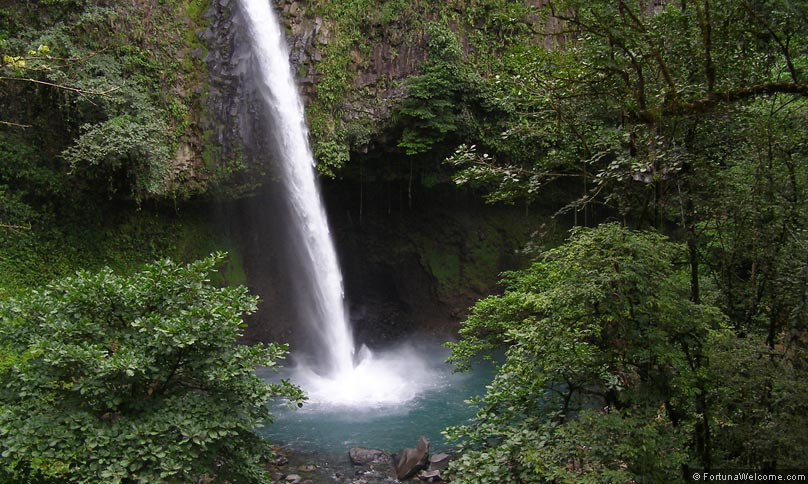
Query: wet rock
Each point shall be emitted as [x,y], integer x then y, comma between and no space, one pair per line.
[280,460]
[408,462]
[430,476]
[278,476]
[307,468]
[322,35]
[364,456]
[206,34]
[293,479]
[439,462]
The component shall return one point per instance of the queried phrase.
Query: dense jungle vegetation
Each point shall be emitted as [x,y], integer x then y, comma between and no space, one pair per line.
[667,334]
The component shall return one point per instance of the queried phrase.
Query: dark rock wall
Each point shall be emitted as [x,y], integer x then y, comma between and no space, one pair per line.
[405,271]
[395,52]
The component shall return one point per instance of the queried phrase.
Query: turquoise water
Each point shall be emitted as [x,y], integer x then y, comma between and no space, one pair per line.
[330,430]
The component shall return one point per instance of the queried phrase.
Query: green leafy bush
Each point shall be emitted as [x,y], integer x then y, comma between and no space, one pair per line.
[125,145]
[110,378]
[605,367]
[431,111]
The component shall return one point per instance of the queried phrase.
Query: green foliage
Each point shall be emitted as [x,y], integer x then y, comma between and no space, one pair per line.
[335,75]
[346,113]
[499,22]
[603,367]
[688,116]
[110,86]
[760,392]
[622,99]
[124,144]
[110,378]
[331,156]
[433,108]
[109,235]
[754,214]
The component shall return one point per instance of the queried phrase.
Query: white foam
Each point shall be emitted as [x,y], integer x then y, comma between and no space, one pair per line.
[389,378]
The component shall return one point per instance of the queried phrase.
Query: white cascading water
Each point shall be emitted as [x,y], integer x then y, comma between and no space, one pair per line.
[364,378]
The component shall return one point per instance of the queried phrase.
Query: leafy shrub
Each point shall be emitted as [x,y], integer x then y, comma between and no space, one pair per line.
[110,378]
[126,145]
[430,111]
[604,369]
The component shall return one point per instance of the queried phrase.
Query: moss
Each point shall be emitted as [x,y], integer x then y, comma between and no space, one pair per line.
[233,272]
[354,27]
[466,250]
[485,28]
[195,9]
[124,241]
[486,254]
[444,266]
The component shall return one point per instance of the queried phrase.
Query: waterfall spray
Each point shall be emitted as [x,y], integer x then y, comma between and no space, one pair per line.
[341,376]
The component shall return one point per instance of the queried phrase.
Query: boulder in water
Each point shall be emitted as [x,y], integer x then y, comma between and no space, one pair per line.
[364,456]
[293,479]
[430,476]
[439,462]
[408,462]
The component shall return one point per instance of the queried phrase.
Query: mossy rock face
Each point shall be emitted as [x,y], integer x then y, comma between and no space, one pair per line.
[354,58]
[465,253]
[123,239]
[444,266]
[420,269]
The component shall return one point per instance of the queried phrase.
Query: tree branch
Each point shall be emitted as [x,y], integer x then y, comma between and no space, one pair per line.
[15,227]
[712,99]
[15,125]
[783,46]
[61,86]
[706,33]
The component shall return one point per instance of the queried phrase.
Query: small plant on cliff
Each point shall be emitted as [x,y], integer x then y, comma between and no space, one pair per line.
[430,112]
[110,378]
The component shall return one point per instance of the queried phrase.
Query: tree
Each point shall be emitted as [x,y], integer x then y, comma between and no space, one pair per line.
[688,117]
[759,400]
[637,99]
[431,111]
[604,369]
[630,81]
[138,378]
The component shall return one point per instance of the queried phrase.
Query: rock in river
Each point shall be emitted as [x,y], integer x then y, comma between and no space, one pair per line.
[408,462]
[439,462]
[364,456]
[430,476]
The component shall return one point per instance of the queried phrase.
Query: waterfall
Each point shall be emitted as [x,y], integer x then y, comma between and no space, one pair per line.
[336,376]
[319,265]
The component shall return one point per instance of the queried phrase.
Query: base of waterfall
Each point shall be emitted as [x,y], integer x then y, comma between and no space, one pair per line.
[385,378]
[386,402]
